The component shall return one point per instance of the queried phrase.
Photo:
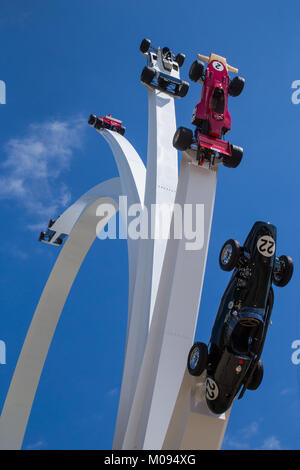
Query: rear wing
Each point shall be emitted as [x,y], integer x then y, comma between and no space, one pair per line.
[219,58]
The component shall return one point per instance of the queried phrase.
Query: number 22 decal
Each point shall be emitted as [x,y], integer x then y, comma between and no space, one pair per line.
[266,246]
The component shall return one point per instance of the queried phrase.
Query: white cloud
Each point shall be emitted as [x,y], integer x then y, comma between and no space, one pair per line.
[34,164]
[271,443]
[35,445]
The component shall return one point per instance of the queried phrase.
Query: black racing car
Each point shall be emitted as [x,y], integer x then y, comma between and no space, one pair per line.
[162,70]
[232,360]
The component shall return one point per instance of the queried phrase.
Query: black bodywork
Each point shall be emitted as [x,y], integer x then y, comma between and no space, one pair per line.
[243,317]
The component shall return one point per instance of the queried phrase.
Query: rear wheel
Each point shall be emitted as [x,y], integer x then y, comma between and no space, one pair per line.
[229,255]
[197,359]
[233,160]
[183,138]
[196,71]
[236,86]
[145,45]
[121,130]
[180,58]
[282,277]
[257,376]
[147,75]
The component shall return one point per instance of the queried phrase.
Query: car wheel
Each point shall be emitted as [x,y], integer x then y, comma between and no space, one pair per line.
[51,222]
[99,124]
[182,89]
[183,138]
[180,58]
[121,130]
[233,160]
[147,75]
[236,86]
[92,119]
[257,376]
[197,359]
[145,45]
[229,255]
[282,278]
[42,236]
[196,71]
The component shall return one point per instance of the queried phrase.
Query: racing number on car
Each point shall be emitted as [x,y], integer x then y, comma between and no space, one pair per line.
[218,66]
[266,246]
[212,390]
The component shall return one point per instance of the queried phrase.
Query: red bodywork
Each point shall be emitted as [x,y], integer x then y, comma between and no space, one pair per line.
[214,97]
[110,121]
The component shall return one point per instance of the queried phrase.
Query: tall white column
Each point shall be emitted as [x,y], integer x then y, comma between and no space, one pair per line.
[161,185]
[174,319]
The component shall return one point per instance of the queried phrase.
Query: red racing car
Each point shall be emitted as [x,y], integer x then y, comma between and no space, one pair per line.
[211,116]
[107,122]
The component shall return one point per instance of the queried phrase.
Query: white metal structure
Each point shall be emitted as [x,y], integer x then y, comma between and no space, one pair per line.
[161,184]
[80,222]
[161,406]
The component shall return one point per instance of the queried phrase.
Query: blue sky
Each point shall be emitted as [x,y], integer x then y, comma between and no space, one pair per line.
[62,61]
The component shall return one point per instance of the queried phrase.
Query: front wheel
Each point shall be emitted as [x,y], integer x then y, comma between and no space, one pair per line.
[180,58]
[92,119]
[145,45]
[236,86]
[147,75]
[182,89]
[229,255]
[196,71]
[197,359]
[183,138]
[282,277]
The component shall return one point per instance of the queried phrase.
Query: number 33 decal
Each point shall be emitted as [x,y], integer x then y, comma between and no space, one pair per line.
[266,245]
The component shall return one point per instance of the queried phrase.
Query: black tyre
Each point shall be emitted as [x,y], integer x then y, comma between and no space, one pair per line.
[145,45]
[183,138]
[92,119]
[235,158]
[42,236]
[182,89]
[99,124]
[229,255]
[257,376]
[282,278]
[236,86]
[147,75]
[196,71]
[197,359]
[59,241]
[180,58]
[50,223]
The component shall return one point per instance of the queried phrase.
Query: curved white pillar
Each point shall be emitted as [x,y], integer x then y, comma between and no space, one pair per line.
[24,383]
[161,185]
[80,222]
[132,174]
[174,321]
